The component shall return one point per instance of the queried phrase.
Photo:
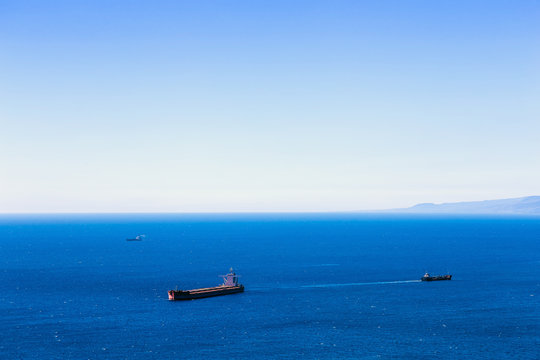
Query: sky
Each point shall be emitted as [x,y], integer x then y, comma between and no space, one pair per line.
[266,106]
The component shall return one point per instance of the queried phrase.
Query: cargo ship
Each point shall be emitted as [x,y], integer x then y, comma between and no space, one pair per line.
[428,277]
[230,286]
[137,238]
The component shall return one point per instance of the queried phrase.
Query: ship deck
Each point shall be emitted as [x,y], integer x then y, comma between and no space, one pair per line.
[211,289]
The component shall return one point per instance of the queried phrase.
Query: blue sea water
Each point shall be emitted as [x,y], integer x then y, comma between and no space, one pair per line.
[318,286]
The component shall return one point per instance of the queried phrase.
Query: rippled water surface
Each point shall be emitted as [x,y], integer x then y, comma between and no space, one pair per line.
[317,286]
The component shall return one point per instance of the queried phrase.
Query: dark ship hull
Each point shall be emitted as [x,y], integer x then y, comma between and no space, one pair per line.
[205,292]
[436,278]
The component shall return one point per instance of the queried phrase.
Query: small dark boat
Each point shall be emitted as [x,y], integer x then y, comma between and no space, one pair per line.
[428,277]
[230,286]
[137,238]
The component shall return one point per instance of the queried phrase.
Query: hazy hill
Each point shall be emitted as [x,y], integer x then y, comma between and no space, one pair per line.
[525,205]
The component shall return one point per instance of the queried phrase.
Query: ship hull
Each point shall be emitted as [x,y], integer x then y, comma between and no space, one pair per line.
[204,293]
[436,278]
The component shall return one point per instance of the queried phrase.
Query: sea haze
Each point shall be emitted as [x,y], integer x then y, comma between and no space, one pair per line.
[320,286]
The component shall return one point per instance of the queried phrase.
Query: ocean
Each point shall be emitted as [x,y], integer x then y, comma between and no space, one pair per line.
[318,286]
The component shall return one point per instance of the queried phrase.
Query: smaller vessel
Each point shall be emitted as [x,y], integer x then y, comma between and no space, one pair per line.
[428,277]
[137,238]
[230,286]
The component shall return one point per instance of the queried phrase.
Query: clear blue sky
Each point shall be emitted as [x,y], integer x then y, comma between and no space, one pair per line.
[159,106]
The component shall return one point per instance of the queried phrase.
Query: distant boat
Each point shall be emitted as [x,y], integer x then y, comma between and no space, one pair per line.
[137,238]
[230,286]
[428,277]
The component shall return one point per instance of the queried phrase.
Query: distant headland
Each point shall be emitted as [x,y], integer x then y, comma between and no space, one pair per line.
[529,205]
